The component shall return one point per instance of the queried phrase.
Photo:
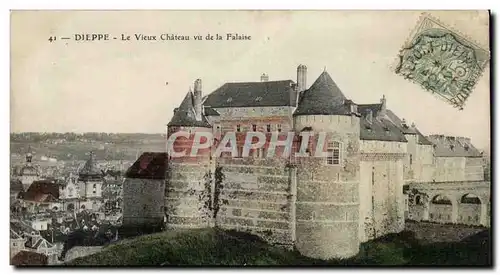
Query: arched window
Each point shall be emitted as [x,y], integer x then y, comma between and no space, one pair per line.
[418,200]
[333,153]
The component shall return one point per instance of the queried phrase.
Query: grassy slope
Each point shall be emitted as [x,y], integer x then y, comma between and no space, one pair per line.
[217,247]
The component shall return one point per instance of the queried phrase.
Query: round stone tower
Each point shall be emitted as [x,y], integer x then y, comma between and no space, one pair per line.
[189,186]
[327,205]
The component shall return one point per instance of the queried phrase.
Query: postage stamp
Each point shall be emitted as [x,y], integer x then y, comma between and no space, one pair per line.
[442,61]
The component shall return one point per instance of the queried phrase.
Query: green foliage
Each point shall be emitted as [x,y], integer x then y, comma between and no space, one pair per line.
[219,178]
[221,247]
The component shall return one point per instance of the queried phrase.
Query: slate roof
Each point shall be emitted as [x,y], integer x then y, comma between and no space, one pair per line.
[253,94]
[407,129]
[211,111]
[90,171]
[185,114]
[20,227]
[422,140]
[322,98]
[150,165]
[41,191]
[29,258]
[34,242]
[380,129]
[445,146]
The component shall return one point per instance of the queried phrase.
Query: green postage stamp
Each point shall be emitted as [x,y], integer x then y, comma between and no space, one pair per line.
[442,61]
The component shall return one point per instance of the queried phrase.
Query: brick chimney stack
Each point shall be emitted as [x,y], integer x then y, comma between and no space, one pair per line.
[264,78]
[301,78]
[197,99]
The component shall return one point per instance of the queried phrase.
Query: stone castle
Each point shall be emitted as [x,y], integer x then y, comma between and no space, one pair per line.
[325,207]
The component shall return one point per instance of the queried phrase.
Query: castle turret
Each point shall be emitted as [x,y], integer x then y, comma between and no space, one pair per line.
[188,172]
[327,204]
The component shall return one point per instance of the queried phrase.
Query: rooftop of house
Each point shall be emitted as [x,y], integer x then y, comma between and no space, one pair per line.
[35,242]
[41,191]
[29,258]
[20,227]
[252,94]
[447,146]
[150,165]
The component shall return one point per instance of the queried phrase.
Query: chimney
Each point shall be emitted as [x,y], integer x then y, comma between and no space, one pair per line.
[383,107]
[404,123]
[301,78]
[197,99]
[264,78]
[413,125]
[369,116]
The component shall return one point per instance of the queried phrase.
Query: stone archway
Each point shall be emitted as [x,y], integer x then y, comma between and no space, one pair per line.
[469,211]
[442,209]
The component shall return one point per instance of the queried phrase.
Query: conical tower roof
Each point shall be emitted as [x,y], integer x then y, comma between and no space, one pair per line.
[322,98]
[185,114]
[90,171]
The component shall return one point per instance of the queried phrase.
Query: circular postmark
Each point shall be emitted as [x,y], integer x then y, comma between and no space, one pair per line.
[440,63]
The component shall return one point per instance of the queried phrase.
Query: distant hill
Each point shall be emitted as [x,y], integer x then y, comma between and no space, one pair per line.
[72,146]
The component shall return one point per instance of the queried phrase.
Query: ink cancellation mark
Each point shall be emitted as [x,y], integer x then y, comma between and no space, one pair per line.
[442,61]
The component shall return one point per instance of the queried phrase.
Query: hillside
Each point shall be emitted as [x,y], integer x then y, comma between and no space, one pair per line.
[71,146]
[219,247]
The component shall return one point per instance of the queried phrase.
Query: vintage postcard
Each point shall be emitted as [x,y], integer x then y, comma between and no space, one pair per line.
[250,138]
